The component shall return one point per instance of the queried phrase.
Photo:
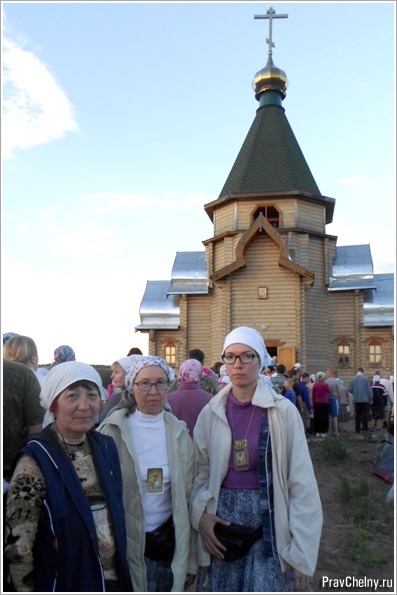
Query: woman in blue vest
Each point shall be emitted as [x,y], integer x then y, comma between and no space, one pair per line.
[65,523]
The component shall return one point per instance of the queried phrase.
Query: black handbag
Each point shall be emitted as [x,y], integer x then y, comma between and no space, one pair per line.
[237,539]
[160,543]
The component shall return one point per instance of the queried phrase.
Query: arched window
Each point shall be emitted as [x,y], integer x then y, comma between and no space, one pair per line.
[170,354]
[374,353]
[271,214]
[343,356]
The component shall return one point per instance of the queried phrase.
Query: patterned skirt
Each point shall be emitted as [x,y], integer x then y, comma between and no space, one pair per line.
[159,576]
[254,572]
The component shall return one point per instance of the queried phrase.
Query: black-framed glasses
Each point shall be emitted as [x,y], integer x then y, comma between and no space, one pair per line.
[245,358]
[146,386]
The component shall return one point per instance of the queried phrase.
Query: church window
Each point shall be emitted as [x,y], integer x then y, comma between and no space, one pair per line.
[374,353]
[271,214]
[170,354]
[343,354]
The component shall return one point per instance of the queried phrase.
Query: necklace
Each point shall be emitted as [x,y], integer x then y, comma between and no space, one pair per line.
[240,447]
[74,447]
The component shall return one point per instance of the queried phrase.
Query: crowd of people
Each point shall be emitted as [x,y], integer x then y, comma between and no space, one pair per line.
[167,481]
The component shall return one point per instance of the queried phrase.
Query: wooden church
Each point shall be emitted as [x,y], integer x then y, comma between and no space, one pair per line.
[271,265]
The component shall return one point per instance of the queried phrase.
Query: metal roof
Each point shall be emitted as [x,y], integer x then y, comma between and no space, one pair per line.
[379,304]
[159,310]
[189,274]
[352,269]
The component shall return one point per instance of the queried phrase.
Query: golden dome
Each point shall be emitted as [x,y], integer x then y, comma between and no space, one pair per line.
[270,78]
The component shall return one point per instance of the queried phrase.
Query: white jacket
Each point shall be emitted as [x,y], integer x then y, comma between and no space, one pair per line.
[180,458]
[297,507]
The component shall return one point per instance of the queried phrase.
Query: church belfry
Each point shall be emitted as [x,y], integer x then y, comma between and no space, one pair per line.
[270,263]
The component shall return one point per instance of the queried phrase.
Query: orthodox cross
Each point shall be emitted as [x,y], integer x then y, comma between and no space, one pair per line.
[270,14]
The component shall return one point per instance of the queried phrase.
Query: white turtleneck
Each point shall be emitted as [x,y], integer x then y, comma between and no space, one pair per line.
[150,446]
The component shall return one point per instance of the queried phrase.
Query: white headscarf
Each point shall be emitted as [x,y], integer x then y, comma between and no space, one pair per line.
[252,338]
[127,361]
[62,376]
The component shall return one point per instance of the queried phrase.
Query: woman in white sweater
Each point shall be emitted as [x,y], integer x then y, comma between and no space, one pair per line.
[156,457]
[255,500]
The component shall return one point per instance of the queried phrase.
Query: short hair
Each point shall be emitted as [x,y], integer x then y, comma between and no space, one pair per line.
[216,367]
[281,369]
[197,354]
[305,375]
[295,371]
[134,351]
[360,370]
[20,349]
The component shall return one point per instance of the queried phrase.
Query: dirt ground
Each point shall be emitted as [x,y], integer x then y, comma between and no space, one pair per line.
[358,532]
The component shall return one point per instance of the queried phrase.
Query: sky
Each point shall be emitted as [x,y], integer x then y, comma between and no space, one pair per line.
[120,121]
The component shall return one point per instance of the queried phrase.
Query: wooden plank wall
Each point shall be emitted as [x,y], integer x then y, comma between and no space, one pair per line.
[223,219]
[198,326]
[277,312]
[310,217]
[315,322]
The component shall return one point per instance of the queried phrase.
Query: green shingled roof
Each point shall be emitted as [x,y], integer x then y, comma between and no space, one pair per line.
[270,159]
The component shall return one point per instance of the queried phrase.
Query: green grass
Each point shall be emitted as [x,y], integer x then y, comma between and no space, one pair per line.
[367,519]
[335,451]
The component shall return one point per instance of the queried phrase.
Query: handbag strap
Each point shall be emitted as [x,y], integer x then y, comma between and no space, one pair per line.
[264,469]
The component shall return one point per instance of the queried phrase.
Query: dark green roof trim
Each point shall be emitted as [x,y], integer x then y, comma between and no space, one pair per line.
[270,159]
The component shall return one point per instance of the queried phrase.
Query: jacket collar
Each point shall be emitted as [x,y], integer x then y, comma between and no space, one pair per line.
[264,396]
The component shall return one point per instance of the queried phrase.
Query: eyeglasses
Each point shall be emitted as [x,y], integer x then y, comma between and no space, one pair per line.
[245,358]
[146,386]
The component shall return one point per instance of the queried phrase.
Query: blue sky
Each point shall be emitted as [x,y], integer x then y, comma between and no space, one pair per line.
[121,120]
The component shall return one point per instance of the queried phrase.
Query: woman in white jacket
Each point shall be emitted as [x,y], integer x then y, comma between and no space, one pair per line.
[156,457]
[255,499]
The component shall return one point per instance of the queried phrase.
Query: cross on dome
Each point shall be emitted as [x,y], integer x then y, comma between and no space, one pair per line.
[270,14]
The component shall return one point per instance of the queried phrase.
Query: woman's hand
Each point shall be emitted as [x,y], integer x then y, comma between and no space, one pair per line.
[206,528]
[297,581]
[190,578]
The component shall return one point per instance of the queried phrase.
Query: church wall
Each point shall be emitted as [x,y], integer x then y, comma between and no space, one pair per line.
[198,326]
[315,312]
[275,312]
[219,255]
[220,318]
[223,219]
[246,210]
[310,217]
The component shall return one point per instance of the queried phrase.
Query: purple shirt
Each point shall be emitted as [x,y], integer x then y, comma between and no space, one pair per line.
[187,402]
[245,422]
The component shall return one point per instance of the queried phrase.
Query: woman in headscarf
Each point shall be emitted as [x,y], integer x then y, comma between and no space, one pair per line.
[119,369]
[255,500]
[189,399]
[156,457]
[65,523]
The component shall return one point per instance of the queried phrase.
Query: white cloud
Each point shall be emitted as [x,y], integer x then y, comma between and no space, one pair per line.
[35,108]
[67,310]
[88,240]
[352,180]
[107,202]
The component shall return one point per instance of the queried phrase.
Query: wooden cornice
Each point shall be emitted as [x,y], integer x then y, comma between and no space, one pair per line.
[262,224]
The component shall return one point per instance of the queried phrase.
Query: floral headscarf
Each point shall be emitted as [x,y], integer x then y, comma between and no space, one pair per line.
[144,362]
[190,371]
[62,354]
